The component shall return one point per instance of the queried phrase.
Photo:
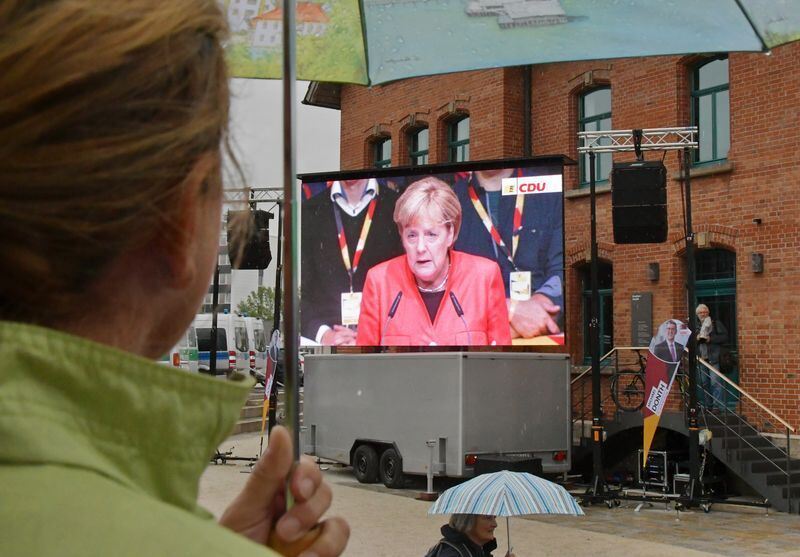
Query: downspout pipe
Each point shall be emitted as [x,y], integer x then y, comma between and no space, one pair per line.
[527,102]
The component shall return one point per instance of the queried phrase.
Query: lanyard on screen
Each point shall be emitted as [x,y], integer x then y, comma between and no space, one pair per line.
[362,239]
[490,227]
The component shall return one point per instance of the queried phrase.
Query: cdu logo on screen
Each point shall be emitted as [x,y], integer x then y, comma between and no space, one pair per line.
[532,184]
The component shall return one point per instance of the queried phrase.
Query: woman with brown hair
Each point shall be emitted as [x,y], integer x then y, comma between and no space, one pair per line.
[113,116]
[432,295]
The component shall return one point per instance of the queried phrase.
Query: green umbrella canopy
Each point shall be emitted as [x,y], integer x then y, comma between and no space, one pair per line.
[377,41]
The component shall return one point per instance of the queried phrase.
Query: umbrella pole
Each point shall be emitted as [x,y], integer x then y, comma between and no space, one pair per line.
[508,537]
[291,202]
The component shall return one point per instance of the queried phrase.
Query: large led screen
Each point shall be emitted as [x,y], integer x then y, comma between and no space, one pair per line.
[457,255]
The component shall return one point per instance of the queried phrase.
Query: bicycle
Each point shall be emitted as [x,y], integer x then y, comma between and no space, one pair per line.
[627,386]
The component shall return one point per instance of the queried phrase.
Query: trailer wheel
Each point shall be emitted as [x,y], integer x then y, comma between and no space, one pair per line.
[365,464]
[391,469]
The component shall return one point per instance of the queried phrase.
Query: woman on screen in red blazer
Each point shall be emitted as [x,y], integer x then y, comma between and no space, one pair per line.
[432,295]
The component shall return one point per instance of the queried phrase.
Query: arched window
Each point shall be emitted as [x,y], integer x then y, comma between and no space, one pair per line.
[418,146]
[605,282]
[458,140]
[711,111]
[382,153]
[594,114]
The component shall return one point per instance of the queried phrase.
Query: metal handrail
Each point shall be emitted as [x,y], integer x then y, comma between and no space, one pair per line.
[610,352]
[737,433]
[708,366]
[745,393]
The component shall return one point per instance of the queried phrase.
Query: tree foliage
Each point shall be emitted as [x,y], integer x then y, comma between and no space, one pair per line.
[259,303]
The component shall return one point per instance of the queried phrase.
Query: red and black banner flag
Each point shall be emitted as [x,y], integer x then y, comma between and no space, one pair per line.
[663,362]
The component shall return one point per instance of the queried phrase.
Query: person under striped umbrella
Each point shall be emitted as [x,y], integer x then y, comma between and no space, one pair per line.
[502,494]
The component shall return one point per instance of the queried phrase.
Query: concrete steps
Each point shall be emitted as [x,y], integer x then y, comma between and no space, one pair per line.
[247,426]
[250,416]
[743,457]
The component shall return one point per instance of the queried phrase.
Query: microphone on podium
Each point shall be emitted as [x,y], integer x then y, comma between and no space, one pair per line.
[460,313]
[392,311]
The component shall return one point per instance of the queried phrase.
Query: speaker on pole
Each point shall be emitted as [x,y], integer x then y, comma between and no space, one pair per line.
[639,202]
[248,248]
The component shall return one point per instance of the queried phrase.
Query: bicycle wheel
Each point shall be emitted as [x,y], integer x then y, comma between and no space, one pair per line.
[627,390]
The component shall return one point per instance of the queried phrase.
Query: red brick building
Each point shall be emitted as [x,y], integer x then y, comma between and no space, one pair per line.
[744,188]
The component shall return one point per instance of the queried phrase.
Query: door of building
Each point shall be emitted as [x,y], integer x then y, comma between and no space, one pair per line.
[716,288]
[606,317]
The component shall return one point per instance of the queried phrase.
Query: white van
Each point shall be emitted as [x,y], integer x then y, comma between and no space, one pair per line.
[257,338]
[184,354]
[233,348]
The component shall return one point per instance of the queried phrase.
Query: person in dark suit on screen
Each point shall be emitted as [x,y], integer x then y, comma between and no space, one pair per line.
[346,230]
[534,224]
[668,350]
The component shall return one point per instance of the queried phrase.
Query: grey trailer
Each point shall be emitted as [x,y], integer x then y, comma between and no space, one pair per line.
[393,414]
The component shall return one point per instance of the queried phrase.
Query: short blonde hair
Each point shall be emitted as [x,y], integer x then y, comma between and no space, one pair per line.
[432,198]
[106,107]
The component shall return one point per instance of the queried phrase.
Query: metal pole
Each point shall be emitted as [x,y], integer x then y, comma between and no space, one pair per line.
[291,196]
[272,417]
[598,483]
[788,471]
[276,317]
[253,207]
[212,355]
[694,430]
[431,444]
[527,133]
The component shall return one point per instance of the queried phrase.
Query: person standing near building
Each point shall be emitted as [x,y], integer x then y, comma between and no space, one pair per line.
[704,335]
[709,348]
[345,232]
[524,234]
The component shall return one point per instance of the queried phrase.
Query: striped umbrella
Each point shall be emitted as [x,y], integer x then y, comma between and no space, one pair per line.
[506,494]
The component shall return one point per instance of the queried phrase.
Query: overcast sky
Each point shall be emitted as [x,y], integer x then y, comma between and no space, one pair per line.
[256,120]
[256,131]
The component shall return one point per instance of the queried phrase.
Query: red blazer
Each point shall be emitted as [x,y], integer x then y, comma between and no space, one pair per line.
[477,284]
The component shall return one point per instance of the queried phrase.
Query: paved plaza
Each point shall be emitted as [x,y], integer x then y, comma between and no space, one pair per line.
[386,522]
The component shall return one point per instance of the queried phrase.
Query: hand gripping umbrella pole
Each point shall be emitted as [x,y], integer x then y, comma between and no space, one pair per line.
[291,196]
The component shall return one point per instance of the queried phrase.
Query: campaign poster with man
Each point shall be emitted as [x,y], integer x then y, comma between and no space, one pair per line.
[663,362]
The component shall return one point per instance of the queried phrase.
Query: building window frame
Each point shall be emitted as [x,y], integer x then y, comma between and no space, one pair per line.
[458,145]
[382,152]
[418,154]
[716,93]
[593,122]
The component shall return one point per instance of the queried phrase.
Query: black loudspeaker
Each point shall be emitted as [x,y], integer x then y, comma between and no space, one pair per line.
[251,250]
[639,202]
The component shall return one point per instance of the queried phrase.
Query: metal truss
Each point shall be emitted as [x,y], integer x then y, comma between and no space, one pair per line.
[654,139]
[245,195]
